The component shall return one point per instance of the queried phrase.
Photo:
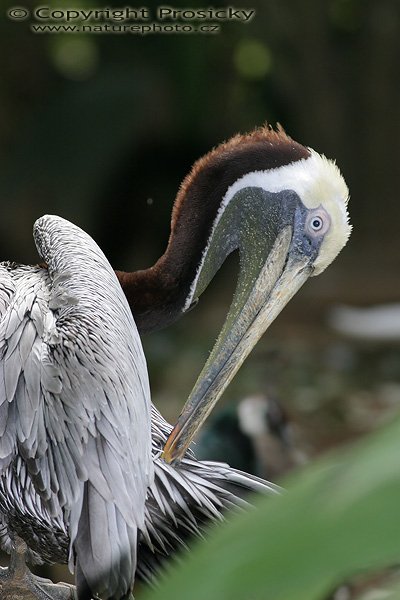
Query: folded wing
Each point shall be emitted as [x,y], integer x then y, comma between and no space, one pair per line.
[75,402]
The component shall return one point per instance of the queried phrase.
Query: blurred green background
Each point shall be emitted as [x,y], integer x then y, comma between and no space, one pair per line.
[101,129]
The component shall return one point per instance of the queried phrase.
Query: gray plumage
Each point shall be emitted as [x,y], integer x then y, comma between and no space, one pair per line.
[79,439]
[184,499]
[75,445]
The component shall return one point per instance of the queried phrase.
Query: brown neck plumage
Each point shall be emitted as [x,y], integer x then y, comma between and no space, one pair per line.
[157,295]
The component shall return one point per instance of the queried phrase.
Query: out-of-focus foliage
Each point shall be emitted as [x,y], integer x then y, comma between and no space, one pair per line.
[336,519]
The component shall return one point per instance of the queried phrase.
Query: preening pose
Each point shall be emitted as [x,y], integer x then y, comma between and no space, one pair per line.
[75,414]
[284,208]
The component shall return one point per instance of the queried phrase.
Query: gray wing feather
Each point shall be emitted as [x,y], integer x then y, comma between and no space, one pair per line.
[184,499]
[74,398]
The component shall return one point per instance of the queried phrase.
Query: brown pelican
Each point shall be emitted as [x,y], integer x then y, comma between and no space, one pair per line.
[284,207]
[75,443]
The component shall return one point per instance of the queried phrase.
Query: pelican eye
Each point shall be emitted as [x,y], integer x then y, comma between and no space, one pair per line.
[318,222]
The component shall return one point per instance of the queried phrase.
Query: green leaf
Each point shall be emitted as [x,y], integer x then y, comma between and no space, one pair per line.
[337,518]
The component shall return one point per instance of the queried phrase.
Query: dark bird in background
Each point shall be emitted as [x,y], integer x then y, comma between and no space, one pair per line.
[253,435]
[90,472]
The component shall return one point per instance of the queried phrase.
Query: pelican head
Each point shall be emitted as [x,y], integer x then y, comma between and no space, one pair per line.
[287,215]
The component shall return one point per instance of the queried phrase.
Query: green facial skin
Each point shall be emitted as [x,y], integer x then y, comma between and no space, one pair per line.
[263,227]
